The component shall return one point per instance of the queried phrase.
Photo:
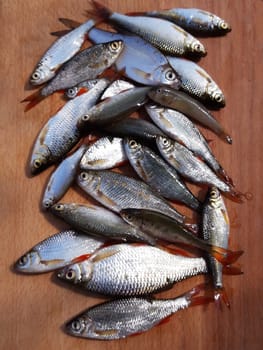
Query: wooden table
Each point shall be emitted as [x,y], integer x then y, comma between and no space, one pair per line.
[33,308]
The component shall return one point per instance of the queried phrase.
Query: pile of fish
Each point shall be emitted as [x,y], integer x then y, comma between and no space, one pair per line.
[136,243]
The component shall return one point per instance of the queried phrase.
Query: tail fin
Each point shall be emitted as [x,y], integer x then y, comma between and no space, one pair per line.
[232,270]
[221,296]
[99,11]
[70,23]
[226,257]
[198,300]
[33,100]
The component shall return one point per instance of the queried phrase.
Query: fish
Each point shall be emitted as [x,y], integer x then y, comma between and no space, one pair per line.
[57,251]
[166,36]
[87,64]
[166,229]
[194,20]
[62,50]
[61,179]
[114,108]
[197,82]
[178,127]
[139,60]
[128,270]
[97,221]
[60,134]
[192,108]
[116,87]
[120,318]
[192,168]
[74,91]
[116,192]
[215,230]
[106,153]
[158,174]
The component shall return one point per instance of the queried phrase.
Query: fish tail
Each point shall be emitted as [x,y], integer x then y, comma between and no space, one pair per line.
[238,197]
[232,270]
[193,297]
[33,100]
[226,257]
[220,296]
[99,11]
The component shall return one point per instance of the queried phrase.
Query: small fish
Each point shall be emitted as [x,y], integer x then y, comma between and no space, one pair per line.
[74,91]
[192,108]
[98,221]
[158,174]
[197,82]
[177,126]
[216,231]
[57,251]
[166,229]
[114,108]
[106,153]
[128,270]
[194,20]
[139,60]
[116,192]
[191,167]
[166,36]
[118,319]
[62,178]
[116,87]
[87,64]
[60,134]
[62,50]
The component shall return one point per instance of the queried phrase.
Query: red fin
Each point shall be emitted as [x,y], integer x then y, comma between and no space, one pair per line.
[232,270]
[190,226]
[70,23]
[135,13]
[209,141]
[33,100]
[60,33]
[99,11]
[198,300]
[222,173]
[80,258]
[226,257]
[173,250]
[82,91]
[221,296]
[165,320]
[238,197]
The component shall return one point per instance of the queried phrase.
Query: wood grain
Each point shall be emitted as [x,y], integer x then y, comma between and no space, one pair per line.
[33,308]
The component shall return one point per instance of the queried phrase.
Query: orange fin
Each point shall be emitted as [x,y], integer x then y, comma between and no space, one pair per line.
[173,250]
[51,262]
[104,255]
[33,100]
[135,13]
[82,91]
[232,270]
[238,196]
[198,300]
[70,23]
[106,332]
[80,258]
[221,296]
[222,173]
[226,257]
[99,11]
[60,33]
[165,320]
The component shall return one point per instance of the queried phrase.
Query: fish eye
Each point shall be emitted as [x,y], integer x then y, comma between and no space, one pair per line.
[85,118]
[70,275]
[224,25]
[47,203]
[76,325]
[133,144]
[213,194]
[84,176]
[72,92]
[170,75]
[35,75]
[59,207]
[114,45]
[37,163]
[159,91]
[197,47]
[23,260]
[165,141]
[218,98]
[128,217]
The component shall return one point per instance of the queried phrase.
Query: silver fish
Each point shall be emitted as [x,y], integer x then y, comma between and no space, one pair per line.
[98,221]
[158,174]
[62,178]
[164,35]
[197,82]
[177,126]
[194,20]
[60,133]
[117,192]
[116,87]
[115,107]
[139,60]
[127,270]
[72,92]
[106,153]
[117,319]
[57,251]
[62,50]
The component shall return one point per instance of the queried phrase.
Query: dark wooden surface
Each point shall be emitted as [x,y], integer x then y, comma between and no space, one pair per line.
[33,308]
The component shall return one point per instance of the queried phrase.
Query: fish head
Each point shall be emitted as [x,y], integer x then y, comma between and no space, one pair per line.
[166,75]
[72,92]
[162,94]
[39,159]
[41,74]
[132,217]
[214,198]
[30,262]
[133,148]
[164,143]
[76,273]
[80,325]
[58,209]
[194,46]
[216,95]
[223,26]
[114,48]
[88,179]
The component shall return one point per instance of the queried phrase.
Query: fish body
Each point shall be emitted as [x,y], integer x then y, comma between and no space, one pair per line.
[194,20]
[187,105]
[188,165]
[62,178]
[115,107]
[72,92]
[164,35]
[158,174]
[57,251]
[106,153]
[60,52]
[117,319]
[116,87]
[177,126]
[116,192]
[139,60]
[60,133]
[197,82]
[127,270]
[98,221]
